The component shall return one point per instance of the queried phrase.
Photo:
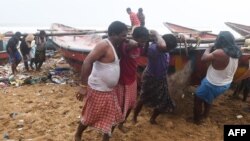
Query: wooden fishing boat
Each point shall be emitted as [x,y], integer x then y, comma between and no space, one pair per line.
[3,54]
[75,48]
[3,57]
[243,30]
[191,33]
[179,58]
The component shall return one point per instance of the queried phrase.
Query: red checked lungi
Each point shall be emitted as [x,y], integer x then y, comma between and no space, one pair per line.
[101,110]
[127,95]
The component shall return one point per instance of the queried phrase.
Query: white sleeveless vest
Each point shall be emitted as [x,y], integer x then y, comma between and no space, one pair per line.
[105,76]
[222,77]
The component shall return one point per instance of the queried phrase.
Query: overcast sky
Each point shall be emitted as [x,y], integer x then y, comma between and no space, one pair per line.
[199,14]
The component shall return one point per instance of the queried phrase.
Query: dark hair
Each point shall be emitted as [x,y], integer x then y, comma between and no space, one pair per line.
[128,9]
[140,10]
[116,28]
[18,34]
[42,33]
[226,41]
[140,32]
[170,40]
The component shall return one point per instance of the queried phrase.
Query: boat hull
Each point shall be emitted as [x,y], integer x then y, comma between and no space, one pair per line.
[3,54]
[74,58]
[178,58]
[3,57]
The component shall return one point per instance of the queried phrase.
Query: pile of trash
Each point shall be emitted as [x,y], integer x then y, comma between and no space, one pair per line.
[54,70]
[4,75]
[57,75]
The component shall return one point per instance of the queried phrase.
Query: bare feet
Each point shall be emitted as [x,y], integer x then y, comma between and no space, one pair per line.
[80,129]
[105,137]
[191,119]
[77,138]
[134,120]
[122,128]
[152,121]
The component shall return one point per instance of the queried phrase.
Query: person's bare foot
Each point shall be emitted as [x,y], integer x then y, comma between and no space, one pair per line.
[122,128]
[77,137]
[134,120]
[152,121]
[191,120]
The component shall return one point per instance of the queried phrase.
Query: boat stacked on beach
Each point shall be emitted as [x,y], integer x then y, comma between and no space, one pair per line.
[75,44]
[3,54]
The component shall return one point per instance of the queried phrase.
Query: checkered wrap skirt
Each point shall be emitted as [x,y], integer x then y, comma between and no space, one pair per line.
[127,95]
[101,110]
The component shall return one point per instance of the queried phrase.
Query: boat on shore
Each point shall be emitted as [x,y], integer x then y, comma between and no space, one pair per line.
[189,32]
[3,53]
[199,68]
[243,30]
[3,57]
[76,47]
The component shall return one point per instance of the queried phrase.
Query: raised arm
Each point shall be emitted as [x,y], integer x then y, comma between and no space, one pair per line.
[207,55]
[156,37]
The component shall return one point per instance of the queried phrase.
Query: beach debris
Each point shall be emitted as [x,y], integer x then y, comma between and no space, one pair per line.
[35,80]
[183,96]
[50,53]
[57,71]
[3,79]
[13,115]
[6,136]
[2,85]
[20,123]
[239,116]
[60,75]
[57,80]
[11,78]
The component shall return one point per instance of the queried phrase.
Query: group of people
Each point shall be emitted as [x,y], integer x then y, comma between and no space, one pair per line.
[109,83]
[32,50]
[137,19]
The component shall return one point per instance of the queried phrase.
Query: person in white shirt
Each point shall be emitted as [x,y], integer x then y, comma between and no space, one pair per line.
[100,75]
[223,58]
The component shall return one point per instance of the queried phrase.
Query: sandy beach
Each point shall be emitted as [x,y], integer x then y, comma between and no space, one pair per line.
[47,111]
